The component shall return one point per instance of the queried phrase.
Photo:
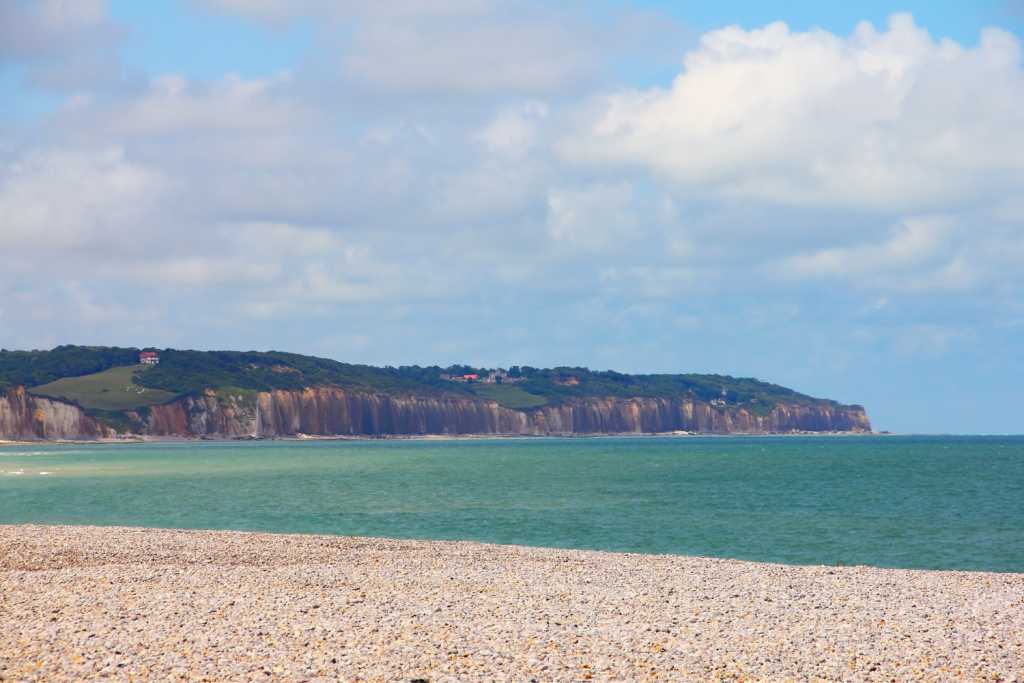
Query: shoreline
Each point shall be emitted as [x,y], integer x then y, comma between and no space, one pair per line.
[303,438]
[152,603]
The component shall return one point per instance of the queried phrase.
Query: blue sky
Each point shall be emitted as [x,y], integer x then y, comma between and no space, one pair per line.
[648,187]
[960,21]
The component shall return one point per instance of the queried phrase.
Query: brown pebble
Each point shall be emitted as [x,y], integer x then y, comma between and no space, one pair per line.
[144,604]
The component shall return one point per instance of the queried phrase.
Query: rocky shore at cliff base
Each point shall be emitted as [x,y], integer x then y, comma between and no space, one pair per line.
[80,603]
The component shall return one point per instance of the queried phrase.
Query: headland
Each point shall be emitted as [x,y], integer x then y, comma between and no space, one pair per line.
[74,392]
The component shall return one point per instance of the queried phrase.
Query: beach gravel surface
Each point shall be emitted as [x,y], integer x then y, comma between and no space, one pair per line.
[80,603]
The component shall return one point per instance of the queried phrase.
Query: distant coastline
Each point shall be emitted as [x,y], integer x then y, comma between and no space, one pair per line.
[301,438]
[74,392]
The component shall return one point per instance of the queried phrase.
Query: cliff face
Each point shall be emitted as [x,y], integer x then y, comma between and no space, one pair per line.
[334,412]
[327,412]
[24,417]
[645,415]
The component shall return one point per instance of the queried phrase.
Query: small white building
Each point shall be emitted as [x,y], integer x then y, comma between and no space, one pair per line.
[148,358]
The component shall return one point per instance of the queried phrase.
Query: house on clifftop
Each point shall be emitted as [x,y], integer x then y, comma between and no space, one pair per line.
[149,358]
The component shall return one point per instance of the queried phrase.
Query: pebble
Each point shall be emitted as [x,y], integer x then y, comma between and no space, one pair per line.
[123,604]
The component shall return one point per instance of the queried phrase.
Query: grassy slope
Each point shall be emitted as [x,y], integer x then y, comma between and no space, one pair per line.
[509,395]
[111,389]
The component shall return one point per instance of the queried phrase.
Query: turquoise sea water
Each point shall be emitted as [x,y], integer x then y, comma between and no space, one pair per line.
[921,502]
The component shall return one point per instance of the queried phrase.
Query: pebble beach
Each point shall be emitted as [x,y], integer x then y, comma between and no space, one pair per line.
[79,603]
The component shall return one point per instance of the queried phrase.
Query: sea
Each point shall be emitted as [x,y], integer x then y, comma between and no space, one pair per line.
[923,502]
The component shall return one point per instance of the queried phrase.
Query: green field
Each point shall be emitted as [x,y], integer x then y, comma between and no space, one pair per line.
[509,395]
[111,389]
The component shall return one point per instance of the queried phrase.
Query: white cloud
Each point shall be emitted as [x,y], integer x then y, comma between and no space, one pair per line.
[454,48]
[357,275]
[58,200]
[279,12]
[286,183]
[915,242]
[921,254]
[515,130]
[198,271]
[932,341]
[887,121]
[274,239]
[37,29]
[518,51]
[592,219]
[648,282]
[173,103]
[65,44]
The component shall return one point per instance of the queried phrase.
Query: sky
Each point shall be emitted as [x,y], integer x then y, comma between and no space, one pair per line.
[830,198]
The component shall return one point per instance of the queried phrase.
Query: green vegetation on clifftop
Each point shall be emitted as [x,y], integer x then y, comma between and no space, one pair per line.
[35,368]
[509,395]
[194,372]
[110,390]
[191,372]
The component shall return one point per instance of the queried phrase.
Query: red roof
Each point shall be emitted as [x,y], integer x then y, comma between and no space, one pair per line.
[148,354]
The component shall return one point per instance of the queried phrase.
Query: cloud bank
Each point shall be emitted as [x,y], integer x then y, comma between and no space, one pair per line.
[892,121]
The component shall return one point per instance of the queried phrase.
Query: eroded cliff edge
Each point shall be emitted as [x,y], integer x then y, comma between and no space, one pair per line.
[24,417]
[336,412]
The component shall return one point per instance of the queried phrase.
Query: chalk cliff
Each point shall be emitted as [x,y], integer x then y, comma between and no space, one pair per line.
[644,415]
[25,417]
[335,412]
